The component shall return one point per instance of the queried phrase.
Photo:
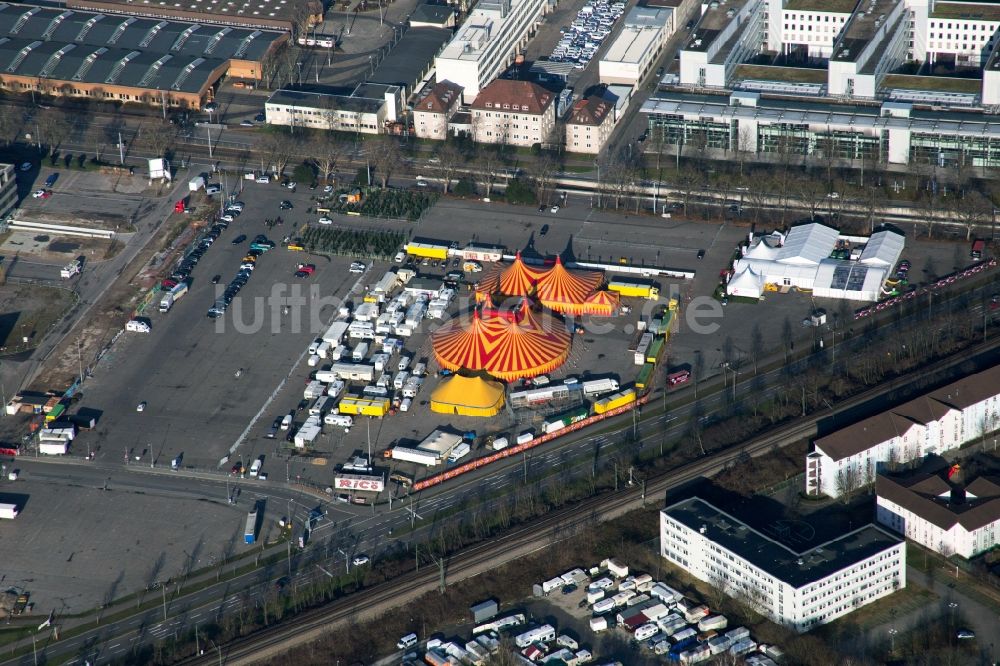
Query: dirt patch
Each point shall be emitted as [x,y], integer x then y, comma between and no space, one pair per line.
[29,311]
[57,249]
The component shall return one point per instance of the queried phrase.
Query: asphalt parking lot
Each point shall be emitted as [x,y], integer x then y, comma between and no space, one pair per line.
[70,565]
[185,369]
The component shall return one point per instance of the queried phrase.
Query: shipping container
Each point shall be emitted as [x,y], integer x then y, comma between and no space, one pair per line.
[9,511]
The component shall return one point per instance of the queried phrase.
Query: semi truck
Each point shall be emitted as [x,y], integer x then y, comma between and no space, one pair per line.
[560,421]
[250,533]
[599,386]
[459,452]
[634,288]
[173,296]
[614,401]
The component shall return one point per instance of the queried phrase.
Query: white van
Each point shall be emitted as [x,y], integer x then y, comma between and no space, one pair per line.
[313,360]
[400,256]
[405,405]
[323,349]
[500,443]
[407,641]
[404,363]
[341,420]
[286,422]
[255,467]
[314,345]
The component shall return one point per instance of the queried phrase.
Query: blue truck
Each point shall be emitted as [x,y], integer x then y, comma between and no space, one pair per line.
[250,533]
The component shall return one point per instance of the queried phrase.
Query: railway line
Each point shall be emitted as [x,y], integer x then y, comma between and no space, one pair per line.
[556,526]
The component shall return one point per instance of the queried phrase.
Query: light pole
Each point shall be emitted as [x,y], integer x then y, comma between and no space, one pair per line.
[892,640]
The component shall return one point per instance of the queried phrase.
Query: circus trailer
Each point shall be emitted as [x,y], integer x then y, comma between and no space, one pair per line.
[634,288]
[335,333]
[482,253]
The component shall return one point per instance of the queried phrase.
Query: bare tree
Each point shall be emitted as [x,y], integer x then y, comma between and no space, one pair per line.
[847,481]
[972,210]
[450,161]
[158,136]
[327,155]
[385,157]
[277,148]
[812,193]
[55,127]
[490,165]
[543,173]
[744,146]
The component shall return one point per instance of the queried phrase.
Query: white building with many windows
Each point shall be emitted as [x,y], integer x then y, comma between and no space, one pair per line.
[433,108]
[589,124]
[487,43]
[942,513]
[797,589]
[860,41]
[934,423]
[366,110]
[513,113]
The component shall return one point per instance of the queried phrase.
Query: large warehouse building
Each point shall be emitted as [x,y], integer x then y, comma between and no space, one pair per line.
[266,14]
[124,59]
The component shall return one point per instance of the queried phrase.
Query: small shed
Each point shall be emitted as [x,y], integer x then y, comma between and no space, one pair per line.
[484,610]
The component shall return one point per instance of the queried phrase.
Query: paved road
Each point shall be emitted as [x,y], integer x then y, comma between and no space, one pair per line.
[967,614]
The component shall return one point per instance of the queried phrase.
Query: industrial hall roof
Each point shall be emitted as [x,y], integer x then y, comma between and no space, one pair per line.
[104,49]
[508,345]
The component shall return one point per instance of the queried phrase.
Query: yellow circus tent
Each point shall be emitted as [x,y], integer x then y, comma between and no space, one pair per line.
[603,303]
[506,347]
[563,291]
[467,396]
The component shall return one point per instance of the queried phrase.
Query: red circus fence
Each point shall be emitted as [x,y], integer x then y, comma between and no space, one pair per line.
[520,448]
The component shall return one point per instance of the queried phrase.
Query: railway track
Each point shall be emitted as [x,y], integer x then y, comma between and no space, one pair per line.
[554,527]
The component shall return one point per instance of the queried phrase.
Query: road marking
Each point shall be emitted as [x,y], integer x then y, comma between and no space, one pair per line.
[114,646]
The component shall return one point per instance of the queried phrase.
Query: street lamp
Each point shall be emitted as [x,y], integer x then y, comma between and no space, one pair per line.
[892,640]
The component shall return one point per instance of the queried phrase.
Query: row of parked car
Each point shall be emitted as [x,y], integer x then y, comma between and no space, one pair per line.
[259,246]
[592,25]
[191,259]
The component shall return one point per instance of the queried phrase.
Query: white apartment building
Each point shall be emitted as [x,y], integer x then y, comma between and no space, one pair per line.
[515,113]
[934,423]
[797,589]
[941,514]
[8,190]
[589,124]
[861,40]
[631,55]
[433,108]
[366,110]
[487,43]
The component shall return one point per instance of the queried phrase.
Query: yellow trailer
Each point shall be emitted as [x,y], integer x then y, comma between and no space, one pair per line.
[634,288]
[377,407]
[614,400]
[427,250]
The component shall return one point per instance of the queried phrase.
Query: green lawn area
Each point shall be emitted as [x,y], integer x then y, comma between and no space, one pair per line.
[789,74]
[965,10]
[936,83]
[885,609]
[842,6]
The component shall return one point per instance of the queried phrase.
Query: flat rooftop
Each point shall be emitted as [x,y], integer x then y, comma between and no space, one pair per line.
[984,11]
[832,6]
[777,73]
[861,28]
[631,44]
[316,100]
[795,568]
[410,58]
[711,23]
[258,13]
